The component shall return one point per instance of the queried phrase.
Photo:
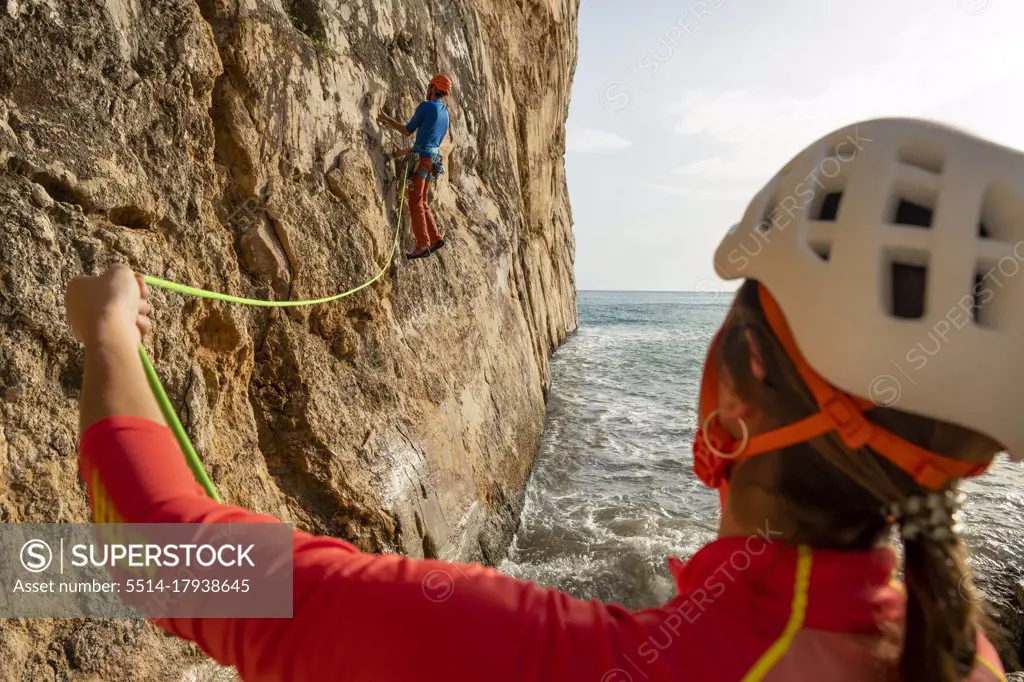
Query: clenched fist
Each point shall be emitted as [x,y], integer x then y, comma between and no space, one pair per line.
[109,308]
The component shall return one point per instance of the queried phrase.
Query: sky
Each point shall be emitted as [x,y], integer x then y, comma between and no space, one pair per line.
[681,111]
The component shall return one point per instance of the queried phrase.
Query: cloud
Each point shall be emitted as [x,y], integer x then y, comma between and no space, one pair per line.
[718,168]
[593,141]
[755,132]
[711,193]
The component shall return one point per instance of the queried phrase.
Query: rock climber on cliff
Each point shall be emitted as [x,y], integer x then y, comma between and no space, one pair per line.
[430,124]
[800,583]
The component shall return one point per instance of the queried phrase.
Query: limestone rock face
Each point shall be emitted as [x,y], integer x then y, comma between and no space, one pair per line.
[233,145]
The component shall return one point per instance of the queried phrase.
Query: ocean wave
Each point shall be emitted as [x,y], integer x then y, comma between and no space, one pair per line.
[612,493]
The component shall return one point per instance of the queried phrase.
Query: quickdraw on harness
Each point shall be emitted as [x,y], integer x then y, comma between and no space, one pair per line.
[715,450]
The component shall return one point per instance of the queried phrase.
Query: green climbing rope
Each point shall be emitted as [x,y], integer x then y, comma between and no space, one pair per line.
[179,431]
[154,381]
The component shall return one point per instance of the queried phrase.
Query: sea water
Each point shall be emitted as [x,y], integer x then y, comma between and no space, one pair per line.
[612,494]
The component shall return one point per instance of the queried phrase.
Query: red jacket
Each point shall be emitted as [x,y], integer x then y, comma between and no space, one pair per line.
[747,608]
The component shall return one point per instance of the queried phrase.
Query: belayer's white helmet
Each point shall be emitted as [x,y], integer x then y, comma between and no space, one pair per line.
[827,233]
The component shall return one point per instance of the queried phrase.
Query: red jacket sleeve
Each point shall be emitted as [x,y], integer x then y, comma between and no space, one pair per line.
[358,616]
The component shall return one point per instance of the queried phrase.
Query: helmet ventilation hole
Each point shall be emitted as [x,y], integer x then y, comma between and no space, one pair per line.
[1001,258]
[767,220]
[1002,214]
[912,214]
[906,289]
[915,192]
[830,206]
[923,155]
[819,236]
[979,295]
[994,304]
[821,250]
[824,206]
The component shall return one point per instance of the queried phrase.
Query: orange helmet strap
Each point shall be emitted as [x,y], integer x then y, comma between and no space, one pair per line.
[844,414]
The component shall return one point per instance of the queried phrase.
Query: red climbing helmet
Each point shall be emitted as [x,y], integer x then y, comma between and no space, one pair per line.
[442,84]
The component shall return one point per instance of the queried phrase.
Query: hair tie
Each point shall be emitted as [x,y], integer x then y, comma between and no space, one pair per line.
[932,516]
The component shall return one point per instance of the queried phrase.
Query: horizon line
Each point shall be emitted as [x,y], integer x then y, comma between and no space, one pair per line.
[656,291]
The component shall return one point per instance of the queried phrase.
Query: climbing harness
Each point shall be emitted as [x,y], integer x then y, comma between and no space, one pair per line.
[154,381]
[423,152]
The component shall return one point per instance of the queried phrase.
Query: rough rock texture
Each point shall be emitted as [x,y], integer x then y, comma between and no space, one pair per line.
[232,144]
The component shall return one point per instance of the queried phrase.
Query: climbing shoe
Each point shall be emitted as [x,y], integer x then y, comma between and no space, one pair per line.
[436,246]
[419,253]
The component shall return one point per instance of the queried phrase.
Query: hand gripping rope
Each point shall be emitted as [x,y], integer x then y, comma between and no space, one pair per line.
[154,381]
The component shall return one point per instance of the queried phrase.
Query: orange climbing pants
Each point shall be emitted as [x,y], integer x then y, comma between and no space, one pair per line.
[424,227]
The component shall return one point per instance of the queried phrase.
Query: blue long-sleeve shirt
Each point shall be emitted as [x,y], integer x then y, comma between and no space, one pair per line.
[430,123]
